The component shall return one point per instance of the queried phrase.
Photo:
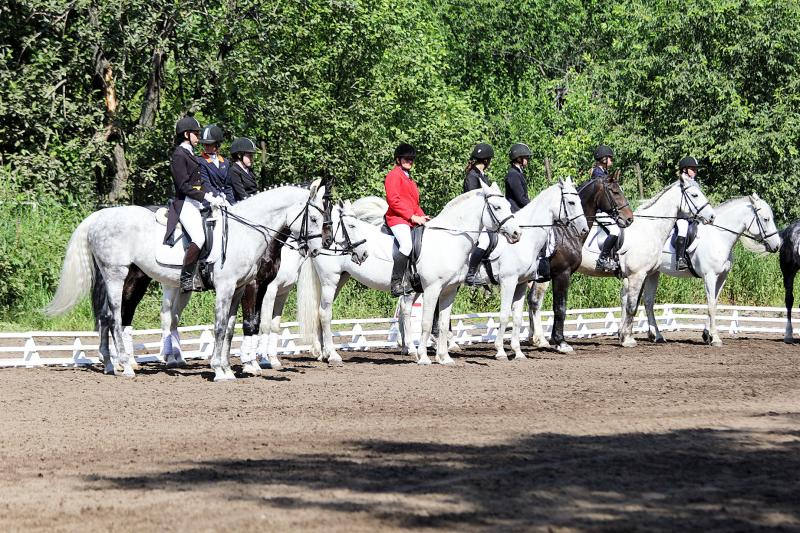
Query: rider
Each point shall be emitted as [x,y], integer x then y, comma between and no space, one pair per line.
[687,169]
[603,159]
[240,174]
[479,161]
[213,165]
[189,196]
[403,212]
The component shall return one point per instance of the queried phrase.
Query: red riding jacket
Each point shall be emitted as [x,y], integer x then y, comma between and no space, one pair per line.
[402,196]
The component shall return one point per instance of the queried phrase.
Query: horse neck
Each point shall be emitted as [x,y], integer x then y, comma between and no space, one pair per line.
[666,208]
[588,197]
[466,215]
[541,210]
[269,207]
[734,216]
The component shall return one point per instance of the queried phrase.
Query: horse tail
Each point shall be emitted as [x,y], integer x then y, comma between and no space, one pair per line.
[309,294]
[370,209]
[77,272]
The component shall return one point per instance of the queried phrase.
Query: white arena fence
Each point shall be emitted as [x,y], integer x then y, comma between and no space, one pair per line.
[74,348]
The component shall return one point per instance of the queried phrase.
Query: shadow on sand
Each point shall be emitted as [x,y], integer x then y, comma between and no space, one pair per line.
[682,480]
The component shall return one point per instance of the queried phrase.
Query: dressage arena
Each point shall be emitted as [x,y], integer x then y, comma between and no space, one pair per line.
[673,436]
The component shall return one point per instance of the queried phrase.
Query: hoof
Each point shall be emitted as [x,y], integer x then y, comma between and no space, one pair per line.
[628,343]
[221,375]
[706,337]
[520,357]
[501,357]
[447,361]
[127,371]
[788,340]
[424,361]
[564,348]
[135,365]
[716,342]
[454,347]
[180,361]
[108,369]
[251,369]
[335,362]
[172,363]
[660,340]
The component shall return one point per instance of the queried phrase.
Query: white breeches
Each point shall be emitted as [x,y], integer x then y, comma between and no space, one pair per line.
[402,233]
[608,223]
[192,222]
[483,241]
[683,227]
[550,246]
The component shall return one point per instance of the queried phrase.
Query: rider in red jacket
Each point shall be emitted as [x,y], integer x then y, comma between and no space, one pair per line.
[403,212]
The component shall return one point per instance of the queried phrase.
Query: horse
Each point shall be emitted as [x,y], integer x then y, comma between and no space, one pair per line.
[789,258]
[640,251]
[446,244]
[597,194]
[117,237]
[513,266]
[712,257]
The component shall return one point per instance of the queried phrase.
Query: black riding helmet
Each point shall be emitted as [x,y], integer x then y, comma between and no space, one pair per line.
[688,162]
[482,151]
[243,145]
[603,151]
[519,150]
[212,134]
[187,123]
[406,151]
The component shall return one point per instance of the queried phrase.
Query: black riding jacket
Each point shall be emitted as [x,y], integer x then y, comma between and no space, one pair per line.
[516,189]
[474,178]
[243,182]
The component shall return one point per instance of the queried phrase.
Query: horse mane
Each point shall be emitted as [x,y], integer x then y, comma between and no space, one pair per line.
[654,199]
[734,199]
[271,261]
[460,199]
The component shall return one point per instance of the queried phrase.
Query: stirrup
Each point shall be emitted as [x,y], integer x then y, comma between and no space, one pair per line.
[682,264]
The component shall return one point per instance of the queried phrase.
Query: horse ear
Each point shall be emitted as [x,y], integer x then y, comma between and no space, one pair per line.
[486,188]
[320,194]
[755,196]
[495,187]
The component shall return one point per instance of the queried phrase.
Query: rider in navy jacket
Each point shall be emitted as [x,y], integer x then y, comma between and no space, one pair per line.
[214,168]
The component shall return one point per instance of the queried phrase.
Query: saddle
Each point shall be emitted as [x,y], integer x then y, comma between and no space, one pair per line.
[691,244]
[416,248]
[175,245]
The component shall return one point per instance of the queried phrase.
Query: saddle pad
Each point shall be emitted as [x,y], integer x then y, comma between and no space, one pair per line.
[669,244]
[594,242]
[173,255]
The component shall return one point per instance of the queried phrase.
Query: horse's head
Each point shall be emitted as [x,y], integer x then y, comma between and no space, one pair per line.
[306,222]
[347,236]
[497,215]
[610,199]
[570,209]
[694,202]
[762,227]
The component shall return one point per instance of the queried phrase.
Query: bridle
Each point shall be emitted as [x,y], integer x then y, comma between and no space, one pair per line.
[348,246]
[761,230]
[688,199]
[562,208]
[615,210]
[488,207]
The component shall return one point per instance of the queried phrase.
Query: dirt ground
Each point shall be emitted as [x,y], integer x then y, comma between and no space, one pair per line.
[669,437]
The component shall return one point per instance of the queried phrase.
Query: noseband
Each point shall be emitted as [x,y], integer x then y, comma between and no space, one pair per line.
[763,232]
[685,196]
[487,207]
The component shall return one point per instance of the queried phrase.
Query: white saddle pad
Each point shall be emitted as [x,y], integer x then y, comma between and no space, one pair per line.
[173,255]
[594,242]
[669,249]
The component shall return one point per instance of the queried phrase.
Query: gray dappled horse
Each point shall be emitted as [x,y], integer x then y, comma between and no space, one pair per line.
[116,237]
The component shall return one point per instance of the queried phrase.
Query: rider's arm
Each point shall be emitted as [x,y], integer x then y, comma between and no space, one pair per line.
[239,191]
[184,168]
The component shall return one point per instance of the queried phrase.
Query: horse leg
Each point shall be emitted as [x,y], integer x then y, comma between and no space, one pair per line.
[230,329]
[649,290]
[445,304]
[535,297]
[136,284]
[115,280]
[328,293]
[178,305]
[516,314]
[404,324]
[430,300]
[507,288]
[250,326]
[222,317]
[271,309]
[167,299]
[713,285]
[560,292]
[629,296]
[103,322]
[789,272]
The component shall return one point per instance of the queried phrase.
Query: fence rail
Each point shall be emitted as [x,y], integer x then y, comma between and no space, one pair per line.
[71,348]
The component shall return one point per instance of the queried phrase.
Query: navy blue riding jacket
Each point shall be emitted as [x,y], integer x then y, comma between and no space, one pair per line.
[516,189]
[216,179]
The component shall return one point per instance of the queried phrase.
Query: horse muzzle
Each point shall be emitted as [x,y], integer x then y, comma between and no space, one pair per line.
[623,221]
[512,237]
[357,258]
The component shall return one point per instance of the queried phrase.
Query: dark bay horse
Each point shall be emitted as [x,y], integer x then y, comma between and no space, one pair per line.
[790,264]
[597,194]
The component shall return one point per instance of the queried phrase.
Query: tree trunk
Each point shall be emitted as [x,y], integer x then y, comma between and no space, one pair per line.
[111,132]
[152,96]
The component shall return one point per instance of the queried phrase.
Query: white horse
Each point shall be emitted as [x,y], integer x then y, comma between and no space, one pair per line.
[640,253]
[117,237]
[514,266]
[442,264]
[712,255]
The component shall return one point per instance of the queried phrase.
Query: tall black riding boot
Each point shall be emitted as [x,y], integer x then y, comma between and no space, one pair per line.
[475,259]
[605,262]
[398,286]
[680,253]
[543,269]
[189,268]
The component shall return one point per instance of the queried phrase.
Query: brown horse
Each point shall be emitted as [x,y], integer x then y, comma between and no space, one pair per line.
[597,194]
